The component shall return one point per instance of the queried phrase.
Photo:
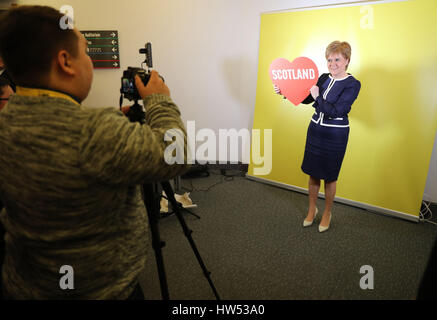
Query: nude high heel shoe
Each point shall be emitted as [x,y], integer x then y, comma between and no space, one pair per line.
[323,229]
[308,223]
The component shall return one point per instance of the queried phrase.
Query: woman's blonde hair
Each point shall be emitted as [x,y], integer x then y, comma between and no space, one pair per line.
[339,47]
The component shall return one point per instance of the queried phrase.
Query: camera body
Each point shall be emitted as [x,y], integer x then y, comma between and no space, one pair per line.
[128,87]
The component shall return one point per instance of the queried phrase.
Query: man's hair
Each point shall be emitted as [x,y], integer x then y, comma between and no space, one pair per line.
[30,38]
[3,83]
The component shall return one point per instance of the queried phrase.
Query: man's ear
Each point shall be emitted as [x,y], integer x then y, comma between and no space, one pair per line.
[64,61]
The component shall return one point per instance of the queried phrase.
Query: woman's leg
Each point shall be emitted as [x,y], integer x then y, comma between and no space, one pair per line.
[330,189]
[313,190]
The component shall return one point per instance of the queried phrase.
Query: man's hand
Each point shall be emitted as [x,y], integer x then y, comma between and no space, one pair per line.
[125,109]
[155,85]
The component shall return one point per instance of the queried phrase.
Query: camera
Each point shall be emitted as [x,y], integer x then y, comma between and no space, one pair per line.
[128,87]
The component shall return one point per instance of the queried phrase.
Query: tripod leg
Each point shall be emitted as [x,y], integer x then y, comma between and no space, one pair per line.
[192,213]
[179,205]
[170,194]
[151,201]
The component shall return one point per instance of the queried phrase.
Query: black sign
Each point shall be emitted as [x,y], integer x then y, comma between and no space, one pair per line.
[103,48]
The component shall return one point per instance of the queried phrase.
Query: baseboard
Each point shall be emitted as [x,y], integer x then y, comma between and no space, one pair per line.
[361,205]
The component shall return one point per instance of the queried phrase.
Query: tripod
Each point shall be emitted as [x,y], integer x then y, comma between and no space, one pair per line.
[151,198]
[167,214]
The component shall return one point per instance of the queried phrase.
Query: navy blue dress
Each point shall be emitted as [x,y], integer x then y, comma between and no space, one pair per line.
[328,131]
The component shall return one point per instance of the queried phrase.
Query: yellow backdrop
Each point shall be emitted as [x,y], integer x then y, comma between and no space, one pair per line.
[394,120]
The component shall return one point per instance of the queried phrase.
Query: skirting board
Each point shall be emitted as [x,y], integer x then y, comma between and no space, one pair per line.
[368,207]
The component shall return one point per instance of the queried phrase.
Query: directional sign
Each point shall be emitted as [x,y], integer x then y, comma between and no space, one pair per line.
[103,48]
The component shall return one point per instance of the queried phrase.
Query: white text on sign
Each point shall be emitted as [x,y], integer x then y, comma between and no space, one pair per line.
[292,74]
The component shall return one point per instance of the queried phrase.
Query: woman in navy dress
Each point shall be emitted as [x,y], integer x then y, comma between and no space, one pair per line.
[328,130]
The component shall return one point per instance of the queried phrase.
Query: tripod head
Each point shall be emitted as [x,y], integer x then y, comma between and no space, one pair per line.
[136,113]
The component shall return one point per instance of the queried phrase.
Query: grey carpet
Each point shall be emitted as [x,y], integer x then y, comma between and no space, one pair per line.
[251,238]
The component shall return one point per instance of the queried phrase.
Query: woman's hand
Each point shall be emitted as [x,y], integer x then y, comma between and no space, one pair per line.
[314,92]
[277,90]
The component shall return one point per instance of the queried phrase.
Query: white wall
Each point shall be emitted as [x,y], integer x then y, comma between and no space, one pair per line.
[431,182]
[207,50]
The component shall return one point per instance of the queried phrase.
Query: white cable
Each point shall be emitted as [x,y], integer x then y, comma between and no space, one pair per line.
[425,211]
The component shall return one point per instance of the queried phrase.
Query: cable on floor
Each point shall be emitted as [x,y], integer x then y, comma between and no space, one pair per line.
[426,213]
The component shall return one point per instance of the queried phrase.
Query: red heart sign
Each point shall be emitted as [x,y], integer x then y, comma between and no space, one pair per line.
[294,79]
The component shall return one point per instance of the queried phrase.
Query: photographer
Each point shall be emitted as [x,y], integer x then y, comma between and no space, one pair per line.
[70,176]
[4,75]
[5,92]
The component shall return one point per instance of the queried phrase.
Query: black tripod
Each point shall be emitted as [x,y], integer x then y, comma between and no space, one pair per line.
[151,198]
[167,214]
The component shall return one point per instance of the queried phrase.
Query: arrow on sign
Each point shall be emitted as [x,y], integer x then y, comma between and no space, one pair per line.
[113,34]
[114,49]
[115,64]
[114,56]
[114,42]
